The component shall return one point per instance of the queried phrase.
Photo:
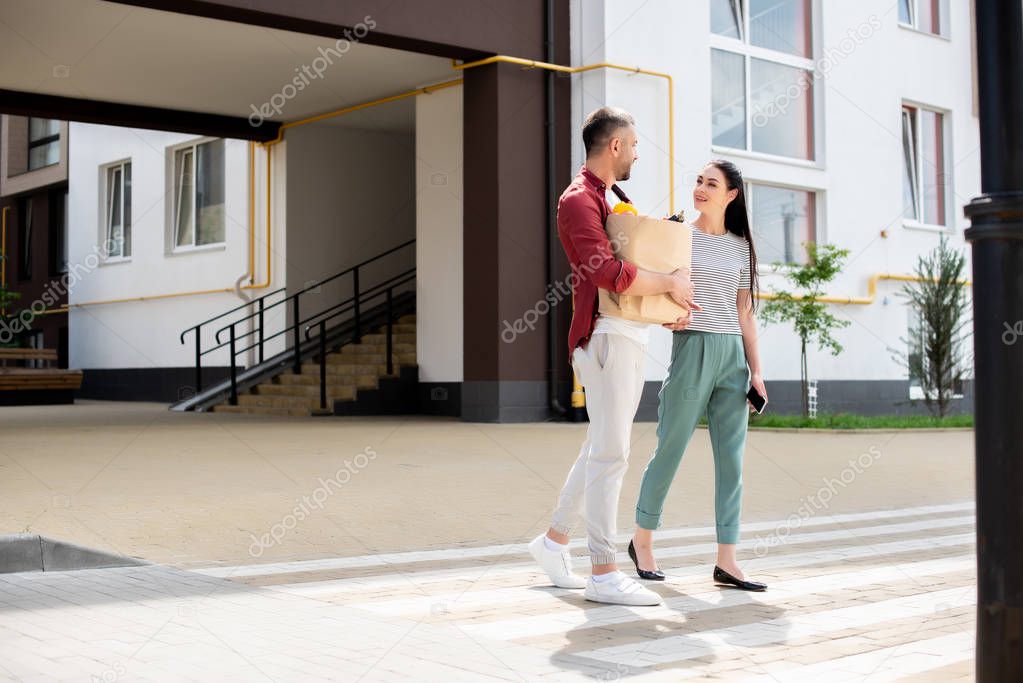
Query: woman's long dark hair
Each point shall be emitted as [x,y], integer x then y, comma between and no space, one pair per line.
[737,218]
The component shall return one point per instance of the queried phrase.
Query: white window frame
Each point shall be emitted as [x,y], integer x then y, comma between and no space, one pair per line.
[749,52]
[173,199]
[818,195]
[105,208]
[914,18]
[946,153]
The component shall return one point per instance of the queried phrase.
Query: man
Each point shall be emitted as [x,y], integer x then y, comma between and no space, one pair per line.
[607,356]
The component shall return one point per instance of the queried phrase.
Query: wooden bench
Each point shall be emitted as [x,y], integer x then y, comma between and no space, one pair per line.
[13,379]
[48,355]
[30,386]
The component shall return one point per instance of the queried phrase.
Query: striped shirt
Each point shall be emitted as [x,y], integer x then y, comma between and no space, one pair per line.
[720,269]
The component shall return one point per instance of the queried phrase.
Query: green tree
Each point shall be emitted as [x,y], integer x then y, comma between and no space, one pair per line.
[810,318]
[936,342]
[7,298]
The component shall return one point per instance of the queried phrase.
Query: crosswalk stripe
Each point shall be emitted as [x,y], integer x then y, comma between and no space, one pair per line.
[669,552]
[384,560]
[702,643]
[337,587]
[505,569]
[778,593]
[858,533]
[885,664]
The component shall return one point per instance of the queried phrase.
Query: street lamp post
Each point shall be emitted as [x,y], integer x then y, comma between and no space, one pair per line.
[996,236]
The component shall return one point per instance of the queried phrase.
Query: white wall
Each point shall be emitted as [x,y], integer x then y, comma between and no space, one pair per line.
[138,334]
[346,195]
[439,235]
[858,173]
[587,45]
[350,198]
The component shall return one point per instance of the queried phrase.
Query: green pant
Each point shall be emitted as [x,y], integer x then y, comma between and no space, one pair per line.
[708,373]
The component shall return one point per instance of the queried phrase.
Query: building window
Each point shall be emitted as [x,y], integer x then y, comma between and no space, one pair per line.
[728,99]
[783,220]
[33,339]
[923,15]
[726,18]
[923,166]
[762,77]
[25,238]
[198,216]
[117,210]
[58,232]
[782,25]
[43,143]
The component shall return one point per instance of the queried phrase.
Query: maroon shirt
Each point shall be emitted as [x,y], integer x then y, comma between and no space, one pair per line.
[582,210]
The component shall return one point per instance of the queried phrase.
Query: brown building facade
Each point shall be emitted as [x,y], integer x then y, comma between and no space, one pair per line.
[33,202]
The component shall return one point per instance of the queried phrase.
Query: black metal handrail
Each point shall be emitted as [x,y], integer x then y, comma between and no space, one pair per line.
[353,304]
[371,293]
[321,326]
[350,304]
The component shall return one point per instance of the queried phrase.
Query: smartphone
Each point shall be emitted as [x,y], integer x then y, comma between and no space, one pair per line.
[758,401]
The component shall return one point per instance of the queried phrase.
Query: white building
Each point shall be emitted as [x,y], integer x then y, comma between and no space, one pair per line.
[884,81]
[854,124]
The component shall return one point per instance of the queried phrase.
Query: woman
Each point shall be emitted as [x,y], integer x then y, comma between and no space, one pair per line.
[709,358]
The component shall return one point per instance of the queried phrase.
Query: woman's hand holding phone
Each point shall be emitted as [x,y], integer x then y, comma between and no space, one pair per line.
[757,382]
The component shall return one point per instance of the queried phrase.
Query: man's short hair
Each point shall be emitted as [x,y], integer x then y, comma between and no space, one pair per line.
[601,125]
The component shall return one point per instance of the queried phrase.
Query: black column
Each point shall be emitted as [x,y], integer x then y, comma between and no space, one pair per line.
[996,236]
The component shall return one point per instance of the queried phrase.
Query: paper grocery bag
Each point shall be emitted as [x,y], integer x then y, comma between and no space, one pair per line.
[651,244]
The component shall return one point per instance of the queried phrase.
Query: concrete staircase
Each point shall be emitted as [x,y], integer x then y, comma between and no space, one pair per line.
[351,368]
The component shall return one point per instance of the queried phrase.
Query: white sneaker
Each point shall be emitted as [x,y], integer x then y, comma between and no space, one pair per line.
[557,565]
[620,590]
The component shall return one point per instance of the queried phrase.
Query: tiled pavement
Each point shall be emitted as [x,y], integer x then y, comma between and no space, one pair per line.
[878,595]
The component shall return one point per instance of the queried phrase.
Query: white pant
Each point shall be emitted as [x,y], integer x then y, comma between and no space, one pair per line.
[610,367]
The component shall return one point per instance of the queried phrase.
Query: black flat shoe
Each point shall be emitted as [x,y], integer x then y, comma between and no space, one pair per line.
[657,575]
[721,576]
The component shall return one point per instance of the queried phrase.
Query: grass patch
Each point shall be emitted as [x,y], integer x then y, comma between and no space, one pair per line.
[847,421]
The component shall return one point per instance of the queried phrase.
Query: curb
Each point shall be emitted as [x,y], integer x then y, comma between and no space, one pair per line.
[35,553]
[861,430]
[857,430]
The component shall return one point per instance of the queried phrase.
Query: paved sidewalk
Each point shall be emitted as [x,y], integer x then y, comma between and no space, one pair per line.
[195,489]
[278,561]
[875,596]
